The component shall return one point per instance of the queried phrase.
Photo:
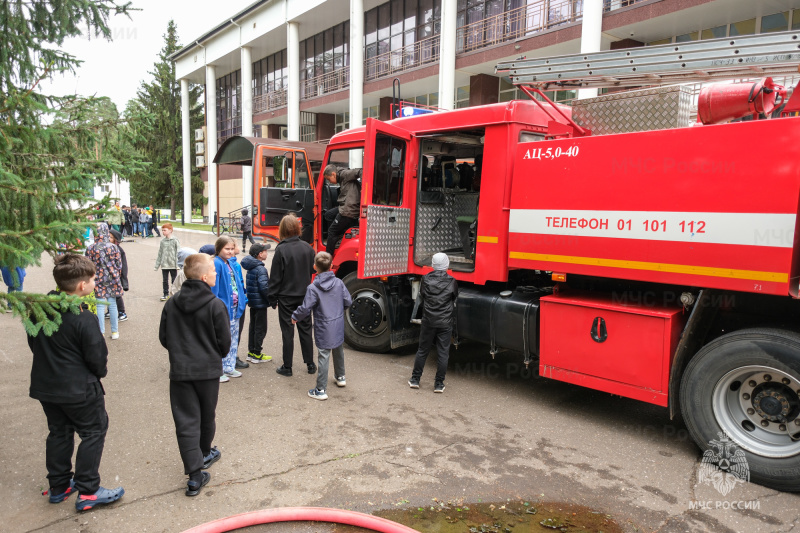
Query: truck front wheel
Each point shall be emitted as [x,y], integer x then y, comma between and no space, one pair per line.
[745,386]
[366,325]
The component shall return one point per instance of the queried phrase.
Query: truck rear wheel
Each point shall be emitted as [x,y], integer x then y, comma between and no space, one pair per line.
[366,325]
[747,385]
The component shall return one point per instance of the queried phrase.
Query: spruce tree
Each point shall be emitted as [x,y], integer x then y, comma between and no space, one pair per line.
[159,101]
[53,149]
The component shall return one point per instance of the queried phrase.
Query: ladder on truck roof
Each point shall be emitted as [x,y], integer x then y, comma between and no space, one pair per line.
[734,57]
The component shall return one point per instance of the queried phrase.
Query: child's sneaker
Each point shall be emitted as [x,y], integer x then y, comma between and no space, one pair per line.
[233,374]
[317,394]
[114,335]
[438,387]
[258,358]
[101,497]
[413,383]
[164,298]
[123,317]
[60,497]
[224,379]
[340,381]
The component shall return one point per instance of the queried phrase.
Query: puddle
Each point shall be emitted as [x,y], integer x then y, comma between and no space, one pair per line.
[502,517]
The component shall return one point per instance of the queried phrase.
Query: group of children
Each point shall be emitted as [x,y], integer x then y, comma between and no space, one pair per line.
[200,328]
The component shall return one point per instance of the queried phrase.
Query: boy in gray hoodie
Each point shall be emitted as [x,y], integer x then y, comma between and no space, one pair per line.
[327,297]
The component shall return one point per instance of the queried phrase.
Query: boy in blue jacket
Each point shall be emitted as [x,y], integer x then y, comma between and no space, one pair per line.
[257,283]
[327,297]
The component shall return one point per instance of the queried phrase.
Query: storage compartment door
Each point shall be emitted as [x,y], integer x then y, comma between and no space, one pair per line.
[385,220]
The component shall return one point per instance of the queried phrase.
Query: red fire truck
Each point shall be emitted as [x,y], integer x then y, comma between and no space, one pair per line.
[661,264]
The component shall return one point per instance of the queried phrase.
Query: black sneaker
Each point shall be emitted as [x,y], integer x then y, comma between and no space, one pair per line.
[193,487]
[241,364]
[284,371]
[413,383]
[212,457]
[438,387]
[312,368]
[164,298]
[123,317]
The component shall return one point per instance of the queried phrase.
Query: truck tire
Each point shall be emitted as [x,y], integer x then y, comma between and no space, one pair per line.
[366,324]
[747,385]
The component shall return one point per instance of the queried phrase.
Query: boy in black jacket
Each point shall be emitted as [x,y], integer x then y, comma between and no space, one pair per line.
[257,301]
[439,292]
[195,330]
[65,378]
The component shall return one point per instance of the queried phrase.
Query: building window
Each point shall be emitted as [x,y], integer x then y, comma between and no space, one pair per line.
[308,126]
[342,121]
[715,33]
[462,97]
[745,27]
[229,105]
[776,22]
[686,37]
[369,112]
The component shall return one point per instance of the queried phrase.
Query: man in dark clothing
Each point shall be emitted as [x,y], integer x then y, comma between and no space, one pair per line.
[257,300]
[195,331]
[292,266]
[247,229]
[65,378]
[349,201]
[439,292]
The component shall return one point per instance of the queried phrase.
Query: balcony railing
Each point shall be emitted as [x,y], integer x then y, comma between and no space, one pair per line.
[269,101]
[517,23]
[326,83]
[402,59]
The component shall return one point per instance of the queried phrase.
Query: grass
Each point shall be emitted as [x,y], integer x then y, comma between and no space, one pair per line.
[178,225]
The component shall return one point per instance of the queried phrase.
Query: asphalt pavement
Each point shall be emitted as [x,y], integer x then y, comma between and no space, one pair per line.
[499,432]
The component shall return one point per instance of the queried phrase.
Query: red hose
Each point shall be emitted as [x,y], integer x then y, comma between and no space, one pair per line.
[301,514]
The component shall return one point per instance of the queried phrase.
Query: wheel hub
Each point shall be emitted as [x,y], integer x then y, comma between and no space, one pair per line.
[367,315]
[775,402]
[758,407]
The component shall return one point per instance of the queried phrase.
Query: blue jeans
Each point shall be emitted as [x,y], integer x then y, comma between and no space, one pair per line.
[229,362]
[322,363]
[112,310]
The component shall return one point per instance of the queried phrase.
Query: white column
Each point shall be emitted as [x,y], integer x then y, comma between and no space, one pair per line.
[293,89]
[247,123]
[591,35]
[447,55]
[211,138]
[186,154]
[356,62]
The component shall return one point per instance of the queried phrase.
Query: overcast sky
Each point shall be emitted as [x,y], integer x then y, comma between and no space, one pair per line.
[116,69]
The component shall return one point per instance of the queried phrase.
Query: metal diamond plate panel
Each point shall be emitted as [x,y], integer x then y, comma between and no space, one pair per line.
[644,110]
[386,245]
[436,226]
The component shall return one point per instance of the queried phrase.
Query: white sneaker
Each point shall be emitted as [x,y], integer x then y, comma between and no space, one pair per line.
[115,335]
[340,381]
[233,374]
[224,379]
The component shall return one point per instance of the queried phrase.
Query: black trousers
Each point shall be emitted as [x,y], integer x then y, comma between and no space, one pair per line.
[337,230]
[427,336]
[194,407]
[155,229]
[258,330]
[241,326]
[90,421]
[165,273]
[285,309]
[247,235]
[120,305]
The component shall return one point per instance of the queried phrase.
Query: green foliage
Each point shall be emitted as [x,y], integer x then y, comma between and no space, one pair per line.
[155,119]
[53,150]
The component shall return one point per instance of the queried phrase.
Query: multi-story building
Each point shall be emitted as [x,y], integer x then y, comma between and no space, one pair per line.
[305,70]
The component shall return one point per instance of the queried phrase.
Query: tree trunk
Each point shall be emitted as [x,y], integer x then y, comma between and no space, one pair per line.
[172,208]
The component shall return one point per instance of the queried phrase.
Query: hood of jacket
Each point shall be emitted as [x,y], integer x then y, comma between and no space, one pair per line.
[250,262]
[194,294]
[438,282]
[102,233]
[325,281]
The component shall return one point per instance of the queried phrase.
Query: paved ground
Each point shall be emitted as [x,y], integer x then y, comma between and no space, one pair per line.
[498,432]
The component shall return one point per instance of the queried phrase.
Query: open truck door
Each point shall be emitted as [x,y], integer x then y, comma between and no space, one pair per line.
[283,179]
[385,223]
